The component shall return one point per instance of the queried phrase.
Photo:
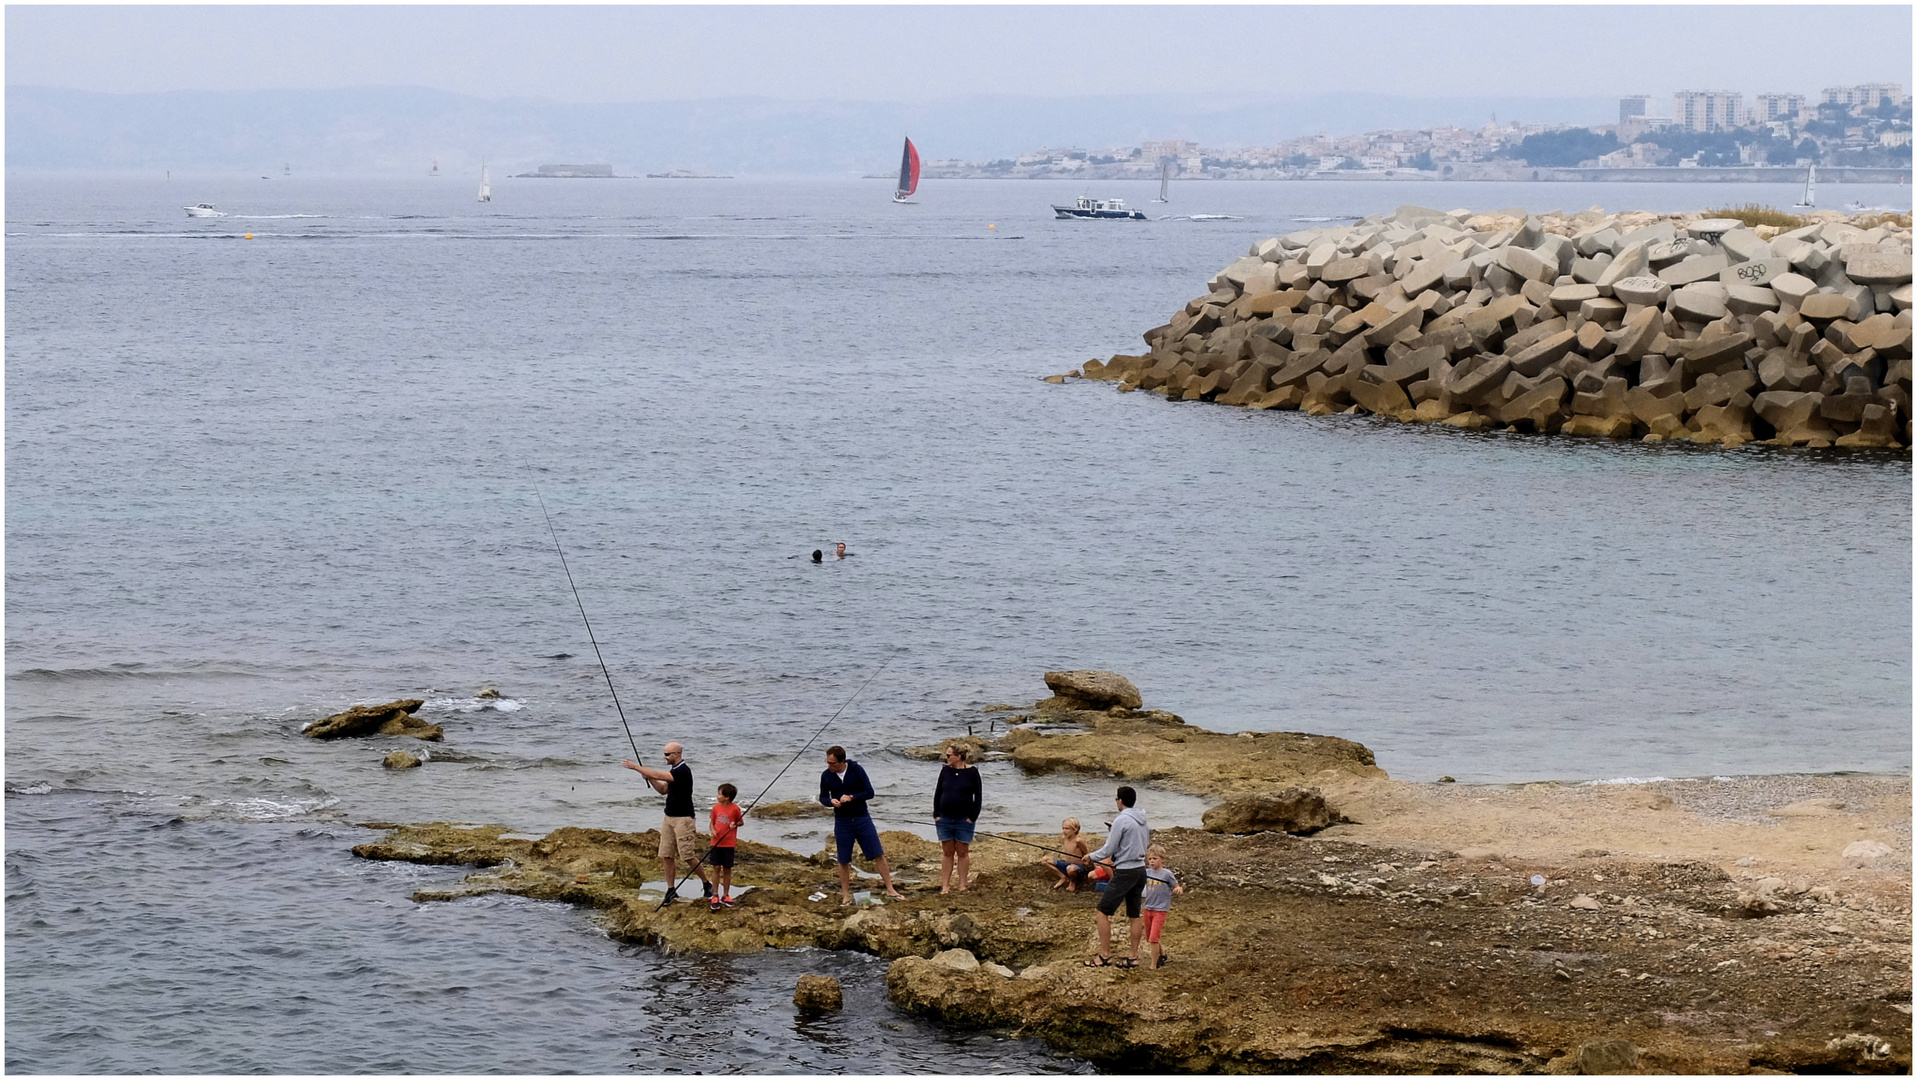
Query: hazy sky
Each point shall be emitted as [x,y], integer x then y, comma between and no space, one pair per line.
[615,54]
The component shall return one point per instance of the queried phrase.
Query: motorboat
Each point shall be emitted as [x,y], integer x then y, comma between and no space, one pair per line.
[1102,209]
[204,209]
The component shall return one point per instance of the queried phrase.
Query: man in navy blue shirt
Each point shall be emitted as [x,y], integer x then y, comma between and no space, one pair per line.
[845,788]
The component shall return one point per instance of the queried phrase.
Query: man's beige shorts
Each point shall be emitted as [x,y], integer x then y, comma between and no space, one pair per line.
[679,840]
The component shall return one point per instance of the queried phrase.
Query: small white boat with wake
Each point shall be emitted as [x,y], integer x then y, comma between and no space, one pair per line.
[1102,209]
[204,209]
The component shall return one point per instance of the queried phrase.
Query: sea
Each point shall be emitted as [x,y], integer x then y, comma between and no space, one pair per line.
[331,448]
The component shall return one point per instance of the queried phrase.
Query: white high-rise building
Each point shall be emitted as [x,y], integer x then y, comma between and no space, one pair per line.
[1769,107]
[1867,95]
[1707,110]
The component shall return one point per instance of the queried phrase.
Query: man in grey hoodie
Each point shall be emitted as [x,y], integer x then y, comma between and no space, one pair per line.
[1124,852]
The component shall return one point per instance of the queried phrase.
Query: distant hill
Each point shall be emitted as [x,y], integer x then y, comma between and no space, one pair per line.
[392,130]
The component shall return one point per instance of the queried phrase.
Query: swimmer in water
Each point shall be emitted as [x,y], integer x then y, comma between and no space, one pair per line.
[842,553]
[817,555]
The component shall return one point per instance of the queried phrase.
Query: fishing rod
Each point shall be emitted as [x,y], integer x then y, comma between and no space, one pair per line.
[673,890]
[582,617]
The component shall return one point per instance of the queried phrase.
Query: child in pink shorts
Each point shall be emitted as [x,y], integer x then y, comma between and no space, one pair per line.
[1160,885]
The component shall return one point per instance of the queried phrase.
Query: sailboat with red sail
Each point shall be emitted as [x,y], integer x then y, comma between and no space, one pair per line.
[908,173]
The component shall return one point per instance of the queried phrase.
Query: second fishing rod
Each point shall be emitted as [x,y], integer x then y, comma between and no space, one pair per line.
[672,888]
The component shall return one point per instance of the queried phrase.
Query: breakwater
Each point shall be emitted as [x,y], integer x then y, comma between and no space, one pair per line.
[1631,325]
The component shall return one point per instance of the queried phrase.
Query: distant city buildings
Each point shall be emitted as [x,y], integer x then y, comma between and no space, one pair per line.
[1707,110]
[573,171]
[1772,107]
[1867,95]
[1705,128]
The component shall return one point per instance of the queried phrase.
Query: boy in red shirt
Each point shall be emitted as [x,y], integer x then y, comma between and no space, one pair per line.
[727,816]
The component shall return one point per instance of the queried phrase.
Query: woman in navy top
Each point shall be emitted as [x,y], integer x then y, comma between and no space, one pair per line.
[955,804]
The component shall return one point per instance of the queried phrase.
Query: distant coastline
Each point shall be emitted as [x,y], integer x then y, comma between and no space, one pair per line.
[1489,170]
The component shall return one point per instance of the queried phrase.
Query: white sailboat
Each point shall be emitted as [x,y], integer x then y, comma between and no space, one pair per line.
[1810,191]
[485,185]
[1164,180]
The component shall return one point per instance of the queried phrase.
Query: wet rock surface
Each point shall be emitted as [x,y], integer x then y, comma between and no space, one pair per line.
[1158,747]
[1303,954]
[1708,926]
[392,718]
[821,992]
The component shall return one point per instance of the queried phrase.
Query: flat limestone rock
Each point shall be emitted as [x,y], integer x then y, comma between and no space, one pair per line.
[794,808]
[1094,689]
[392,718]
[1299,810]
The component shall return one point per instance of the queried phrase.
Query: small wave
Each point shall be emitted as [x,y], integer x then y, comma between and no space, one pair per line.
[124,671]
[275,217]
[256,809]
[1643,780]
[463,705]
[35,787]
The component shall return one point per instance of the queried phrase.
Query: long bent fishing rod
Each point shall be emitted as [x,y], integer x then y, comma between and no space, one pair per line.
[673,890]
[582,618]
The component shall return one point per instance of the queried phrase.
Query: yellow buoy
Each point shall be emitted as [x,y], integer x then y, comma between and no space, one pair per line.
[249,236]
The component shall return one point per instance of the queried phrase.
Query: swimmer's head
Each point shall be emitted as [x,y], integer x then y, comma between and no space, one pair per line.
[817,555]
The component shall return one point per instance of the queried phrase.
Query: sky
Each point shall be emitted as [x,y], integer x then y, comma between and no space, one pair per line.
[608,54]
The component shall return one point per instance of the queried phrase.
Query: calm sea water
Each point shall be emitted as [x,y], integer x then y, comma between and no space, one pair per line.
[250,482]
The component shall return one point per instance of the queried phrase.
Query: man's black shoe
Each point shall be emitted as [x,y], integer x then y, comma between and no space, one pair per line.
[671,894]
[708,886]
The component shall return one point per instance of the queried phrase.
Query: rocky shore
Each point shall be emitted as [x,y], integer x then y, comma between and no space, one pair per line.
[1633,325]
[1709,926]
